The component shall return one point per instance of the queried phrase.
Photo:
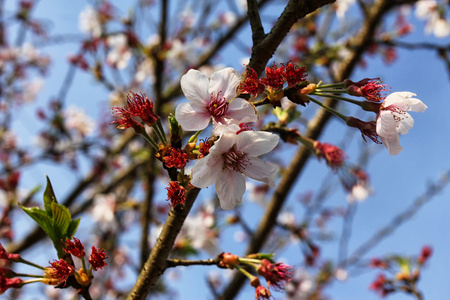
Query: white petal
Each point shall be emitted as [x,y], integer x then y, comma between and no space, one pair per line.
[225,81]
[195,87]
[230,188]
[261,171]
[206,171]
[398,98]
[190,119]
[256,143]
[416,105]
[225,142]
[386,124]
[392,143]
[241,111]
[405,124]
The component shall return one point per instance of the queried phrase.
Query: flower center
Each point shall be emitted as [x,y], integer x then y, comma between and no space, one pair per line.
[235,160]
[397,112]
[217,105]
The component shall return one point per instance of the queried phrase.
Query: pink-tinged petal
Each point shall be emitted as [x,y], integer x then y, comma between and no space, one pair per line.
[405,124]
[386,124]
[398,98]
[195,87]
[241,111]
[225,81]
[392,143]
[225,142]
[190,119]
[206,171]
[416,105]
[256,143]
[230,188]
[261,171]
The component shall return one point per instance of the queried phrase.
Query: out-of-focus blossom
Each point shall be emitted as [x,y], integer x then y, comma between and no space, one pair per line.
[356,183]
[437,24]
[212,99]
[342,6]
[76,119]
[120,53]
[393,118]
[89,22]
[103,211]
[301,286]
[333,155]
[199,229]
[232,157]
[276,274]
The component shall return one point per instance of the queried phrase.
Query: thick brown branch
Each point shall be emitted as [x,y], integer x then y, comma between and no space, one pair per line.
[157,262]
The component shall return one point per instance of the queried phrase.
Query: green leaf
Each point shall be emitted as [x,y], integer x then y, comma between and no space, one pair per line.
[49,197]
[41,218]
[73,226]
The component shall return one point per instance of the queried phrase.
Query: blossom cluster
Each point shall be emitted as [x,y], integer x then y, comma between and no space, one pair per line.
[59,271]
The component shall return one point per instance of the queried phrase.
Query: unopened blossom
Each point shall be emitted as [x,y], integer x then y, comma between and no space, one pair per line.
[382,286]
[425,254]
[75,248]
[8,256]
[232,157]
[250,83]
[212,99]
[58,272]
[176,193]
[371,89]
[97,258]
[333,155]
[393,118]
[275,77]
[295,74]
[175,158]
[6,283]
[276,274]
[262,293]
[139,105]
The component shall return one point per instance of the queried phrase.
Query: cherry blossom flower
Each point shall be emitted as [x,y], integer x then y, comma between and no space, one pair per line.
[120,52]
[276,274]
[75,248]
[212,99]
[232,157]
[176,193]
[89,22]
[97,258]
[58,272]
[393,118]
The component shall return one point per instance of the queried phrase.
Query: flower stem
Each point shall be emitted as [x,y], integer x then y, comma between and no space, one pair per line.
[159,130]
[24,261]
[150,140]
[338,98]
[331,110]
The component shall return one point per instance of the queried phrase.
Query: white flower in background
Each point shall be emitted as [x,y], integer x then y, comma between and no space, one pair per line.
[181,54]
[228,18]
[232,157]
[120,52]
[301,287]
[103,211]
[145,71]
[31,89]
[199,229]
[212,99]
[429,11]
[342,7]
[76,119]
[393,118]
[89,22]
